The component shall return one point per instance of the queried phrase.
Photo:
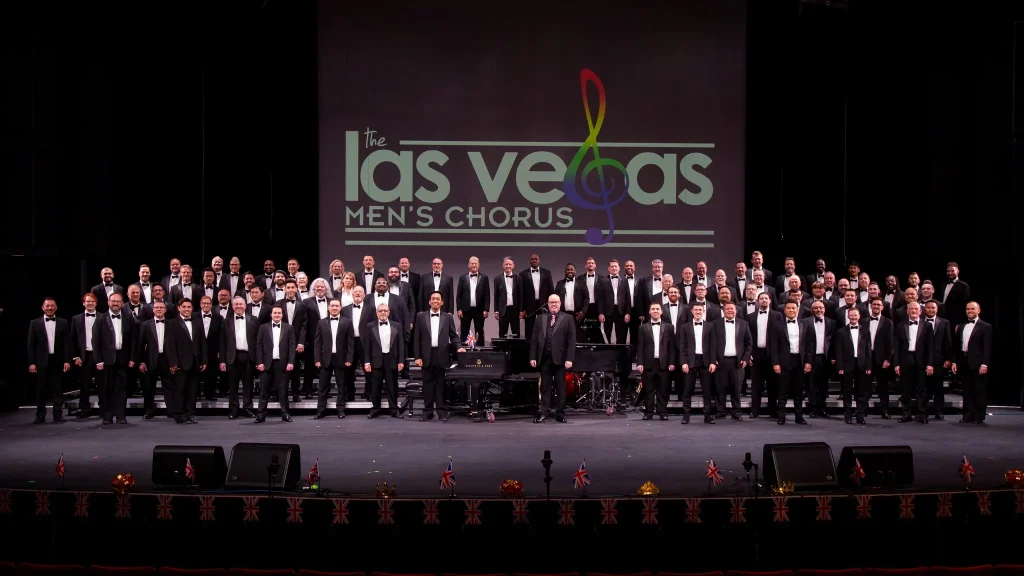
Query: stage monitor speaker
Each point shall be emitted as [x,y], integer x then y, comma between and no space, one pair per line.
[884,466]
[256,466]
[809,466]
[207,462]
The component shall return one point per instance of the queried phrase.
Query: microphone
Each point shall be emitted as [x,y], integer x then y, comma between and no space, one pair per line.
[748,464]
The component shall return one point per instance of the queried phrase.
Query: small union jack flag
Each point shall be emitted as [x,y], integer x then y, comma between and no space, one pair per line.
[966,470]
[42,503]
[781,508]
[471,340]
[581,478]
[472,512]
[824,508]
[5,501]
[650,511]
[82,504]
[295,510]
[207,508]
[693,510]
[448,478]
[251,508]
[857,474]
[164,508]
[713,473]
[313,478]
[907,506]
[340,511]
[430,512]
[609,512]
[520,514]
[385,513]
[738,511]
[984,503]
[944,507]
[566,513]
[864,507]
[190,472]
[123,508]
[59,470]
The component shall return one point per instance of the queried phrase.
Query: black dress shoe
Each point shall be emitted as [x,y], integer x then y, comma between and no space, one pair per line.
[286,418]
[848,419]
[39,420]
[122,420]
[980,423]
[58,418]
[107,422]
[148,415]
[248,412]
[341,414]
[662,417]
[906,419]
[800,420]
[397,415]
[540,419]
[781,421]
[709,419]
[260,419]
[233,414]
[939,416]
[319,414]
[686,418]
[560,418]
[191,419]
[648,416]
[860,420]
[737,417]
[373,415]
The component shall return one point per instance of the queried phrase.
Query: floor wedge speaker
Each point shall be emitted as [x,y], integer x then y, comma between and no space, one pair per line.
[809,466]
[882,466]
[208,465]
[257,466]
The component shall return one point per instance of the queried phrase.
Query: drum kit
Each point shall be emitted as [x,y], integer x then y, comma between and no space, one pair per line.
[593,391]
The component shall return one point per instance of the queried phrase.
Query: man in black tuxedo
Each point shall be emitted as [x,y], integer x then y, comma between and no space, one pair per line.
[233,280]
[694,360]
[650,289]
[238,352]
[159,295]
[49,357]
[275,359]
[537,286]
[361,314]
[435,338]
[316,310]
[369,275]
[104,289]
[972,345]
[119,338]
[818,275]
[782,282]
[508,299]
[184,289]
[673,311]
[849,302]
[174,278]
[764,288]
[411,278]
[597,301]
[730,352]
[85,345]
[212,325]
[913,356]
[794,362]
[266,280]
[818,295]
[209,285]
[259,307]
[854,363]
[333,354]
[955,294]
[820,330]
[656,357]
[155,353]
[188,360]
[711,311]
[553,349]
[881,330]
[763,379]
[615,306]
[403,290]
[295,316]
[437,281]
[384,358]
[757,265]
[145,284]
[473,300]
[574,299]
[943,333]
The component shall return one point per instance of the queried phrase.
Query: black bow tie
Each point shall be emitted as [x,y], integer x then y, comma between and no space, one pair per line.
[729,322]
[108,284]
[655,323]
[853,327]
[255,305]
[764,312]
[207,316]
[930,319]
[698,323]
[791,322]
[384,323]
[174,277]
[657,279]
[508,276]
[355,306]
[87,315]
[115,316]
[209,286]
[290,301]
[437,275]
[473,275]
[629,277]
[145,285]
[321,300]
[700,278]
[913,322]
[613,277]
[816,320]
[590,275]
[225,308]
[741,279]
[435,314]
[159,321]
[134,306]
[367,273]
[234,273]
[970,321]
[862,289]
[237,317]
[405,274]
[535,270]
[873,319]
[333,318]
[337,277]
[673,304]
[277,325]
[51,319]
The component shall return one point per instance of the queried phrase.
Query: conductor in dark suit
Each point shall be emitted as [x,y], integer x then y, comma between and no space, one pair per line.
[656,357]
[239,337]
[119,353]
[913,356]
[508,299]
[730,353]
[972,346]
[49,357]
[472,300]
[553,349]
[943,356]
[383,358]
[537,286]
[333,353]
[694,360]
[275,359]
[793,362]
[188,360]
[435,338]
[820,331]
[854,364]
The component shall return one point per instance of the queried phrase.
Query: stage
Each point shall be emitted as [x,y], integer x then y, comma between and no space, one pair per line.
[621,451]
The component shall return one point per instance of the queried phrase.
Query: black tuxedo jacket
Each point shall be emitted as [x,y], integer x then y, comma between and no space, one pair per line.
[745,312]
[810,279]
[323,348]
[265,345]
[563,339]
[187,352]
[266,281]
[214,288]
[956,301]
[398,312]
[782,349]
[845,360]
[366,315]
[943,341]
[225,284]
[227,337]
[687,297]
[373,351]
[149,346]
[78,336]
[715,289]
[644,295]
[501,294]
[743,340]
[298,322]
[924,349]
[580,295]
[176,293]
[533,300]
[445,287]
[668,348]
[142,293]
[781,283]
[129,340]
[166,282]
[101,295]
[263,315]
[738,288]
[687,339]
[812,338]
[312,318]
[447,337]
[775,319]
[772,294]
[979,347]
[682,315]
[405,295]
[414,289]
[830,306]
[841,312]
[884,340]
[483,293]
[712,311]
[213,336]
[39,345]
[768,277]
[616,304]
[897,301]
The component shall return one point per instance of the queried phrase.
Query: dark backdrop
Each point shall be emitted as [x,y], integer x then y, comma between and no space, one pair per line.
[138,132]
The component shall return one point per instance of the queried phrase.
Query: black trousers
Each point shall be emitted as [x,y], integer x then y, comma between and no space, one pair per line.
[817,393]
[915,389]
[350,374]
[337,369]
[530,320]
[162,370]
[975,392]
[295,376]
[656,386]
[135,380]
[856,383]
[433,382]
[615,323]
[728,380]
[474,315]
[509,321]
[114,388]
[208,381]
[309,370]
[762,380]
[698,370]
[49,386]
[187,384]
[883,376]
[240,372]
[552,381]
[791,385]
[274,376]
[935,384]
[385,378]
[86,373]
[592,325]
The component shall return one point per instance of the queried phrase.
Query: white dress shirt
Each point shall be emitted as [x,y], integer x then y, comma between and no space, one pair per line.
[188,327]
[334,321]
[873,323]
[656,329]
[116,322]
[855,337]
[147,291]
[289,310]
[435,328]
[631,283]
[730,339]
[474,279]
[385,337]
[206,324]
[819,336]
[233,282]
[161,329]
[275,331]
[241,339]
[673,312]
[508,289]
[912,334]
[437,281]
[698,337]
[762,329]
[89,322]
[949,288]
[186,291]
[535,276]
[590,280]
[223,311]
[356,316]
[966,339]
[51,333]
[570,291]
[321,306]
[368,276]
[793,329]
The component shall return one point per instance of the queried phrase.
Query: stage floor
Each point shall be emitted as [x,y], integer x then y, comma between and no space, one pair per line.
[621,451]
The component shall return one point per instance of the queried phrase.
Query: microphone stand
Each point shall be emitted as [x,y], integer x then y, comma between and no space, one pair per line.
[272,470]
[538,310]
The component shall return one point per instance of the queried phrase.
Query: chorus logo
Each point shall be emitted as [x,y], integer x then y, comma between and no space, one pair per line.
[518,187]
